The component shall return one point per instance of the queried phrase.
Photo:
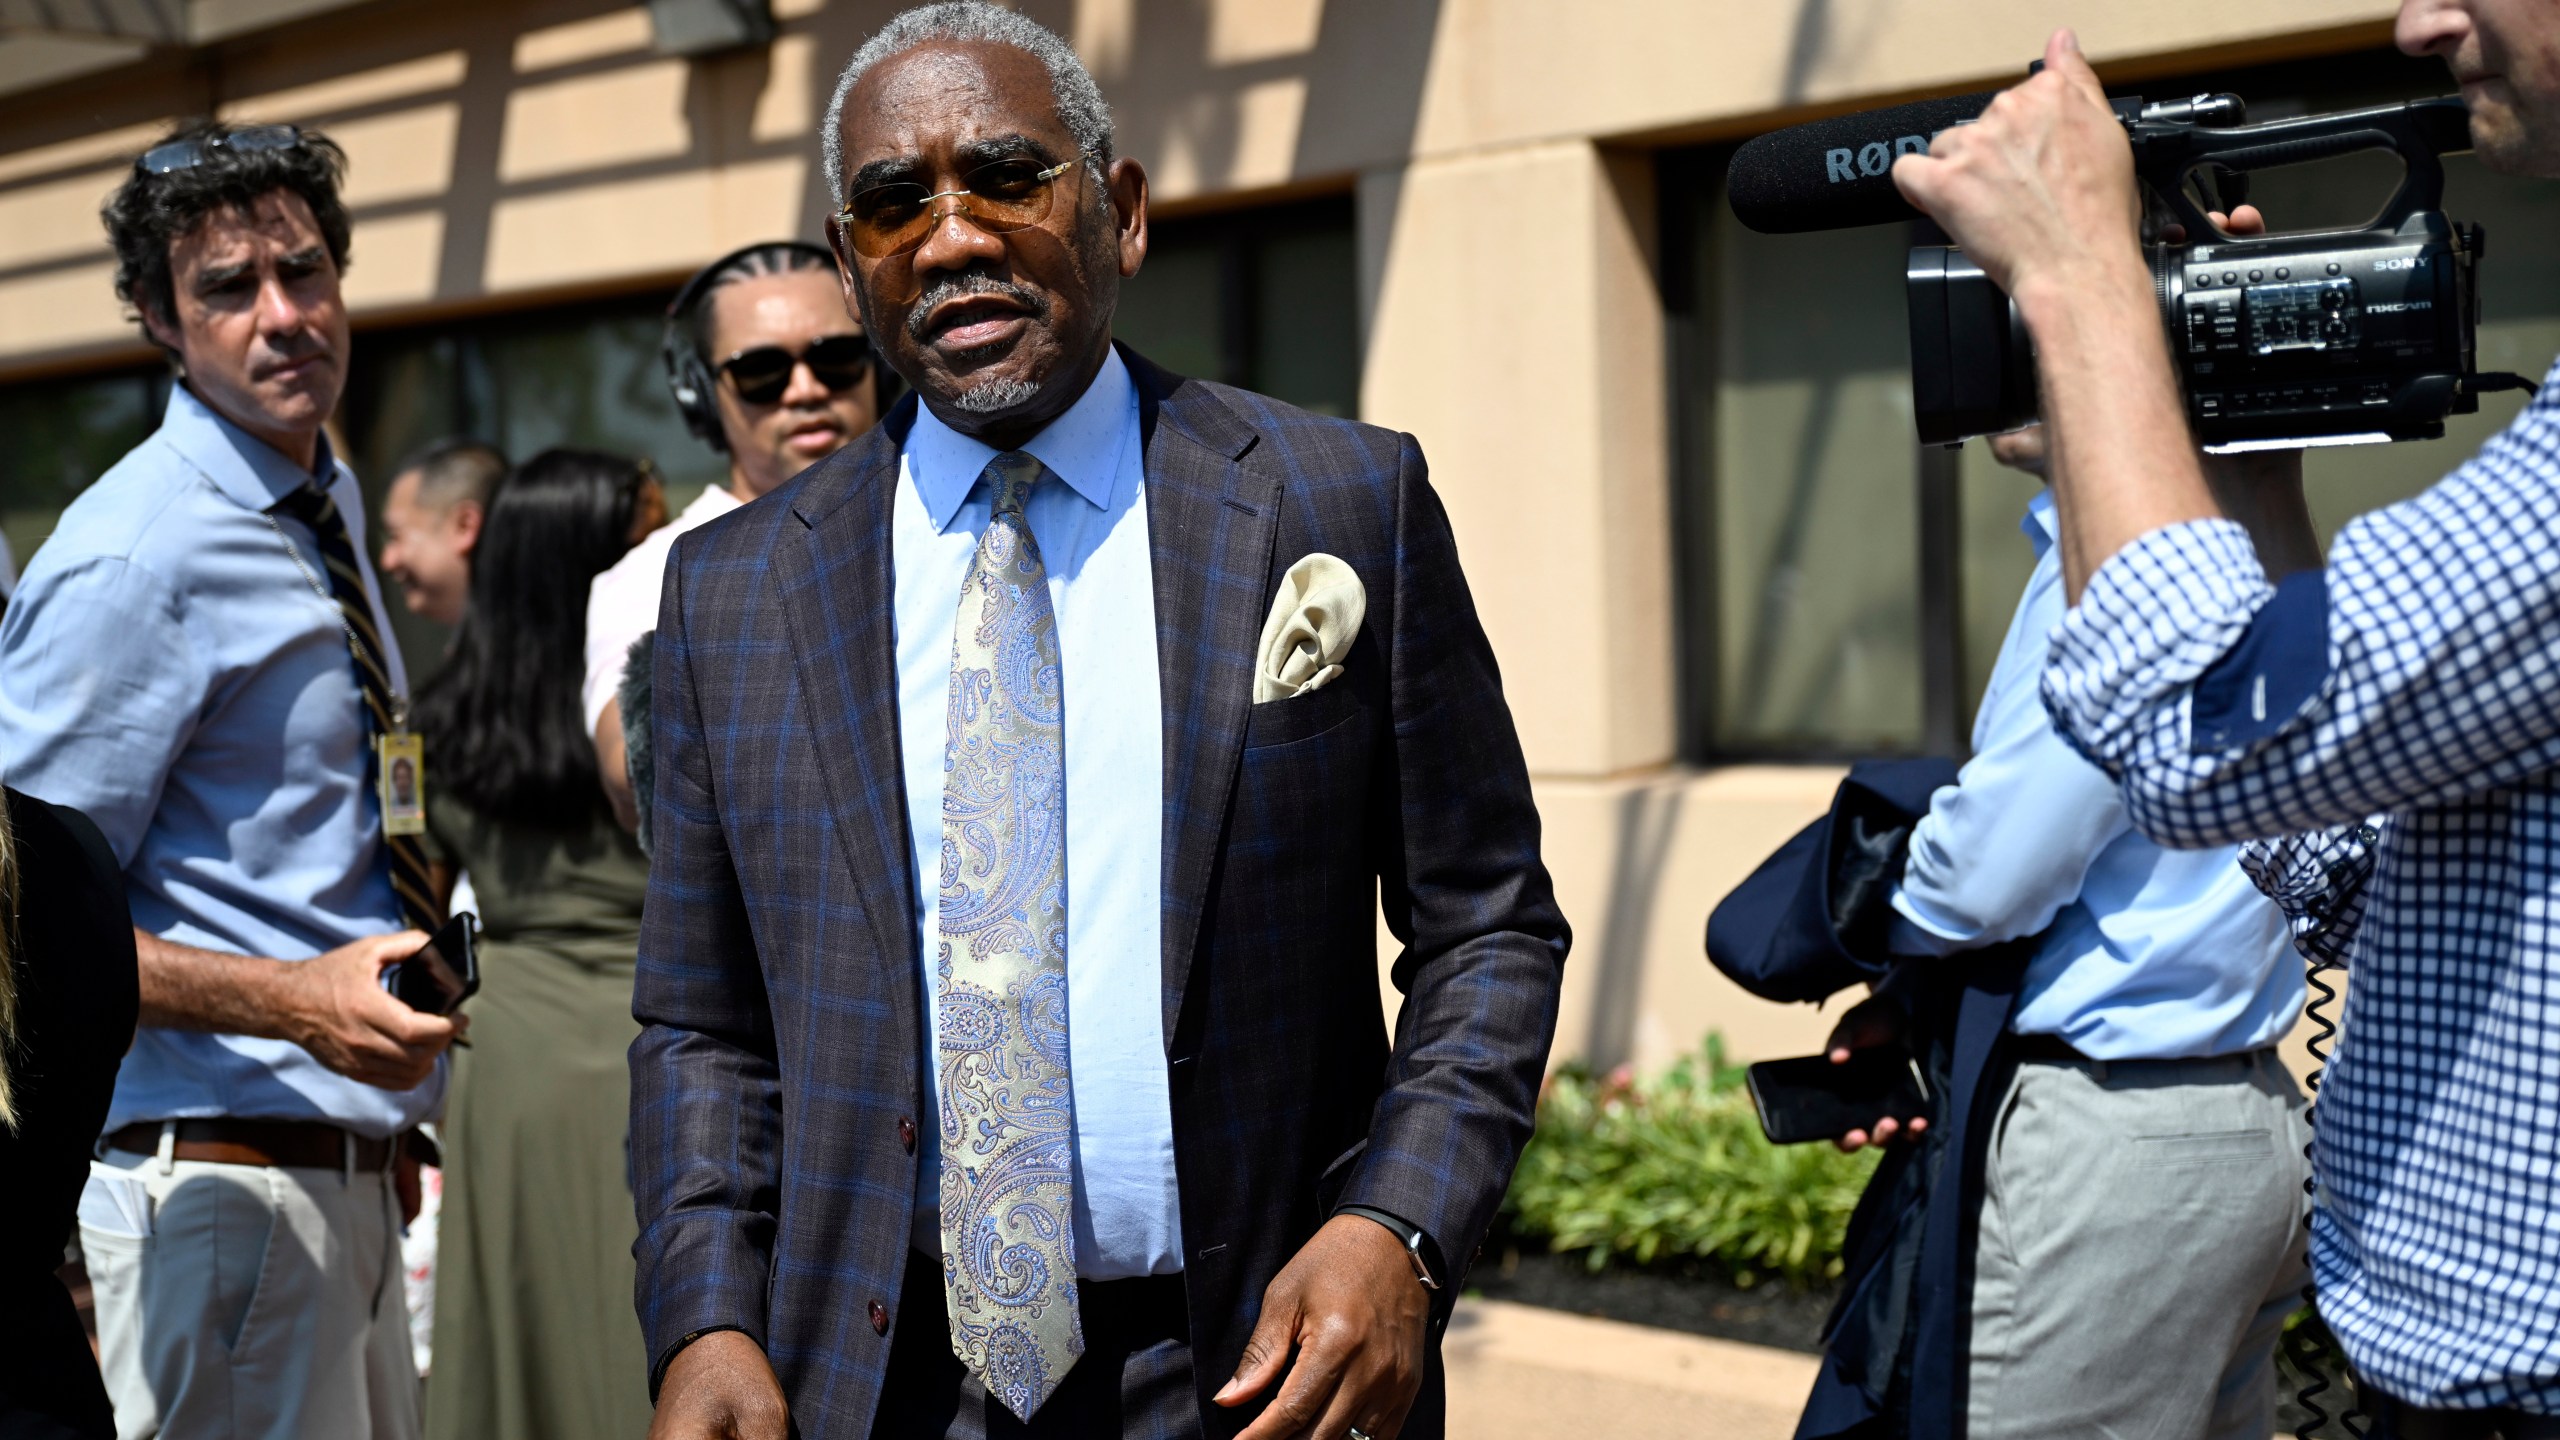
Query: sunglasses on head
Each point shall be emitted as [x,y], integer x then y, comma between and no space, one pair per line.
[194,150]
[763,373]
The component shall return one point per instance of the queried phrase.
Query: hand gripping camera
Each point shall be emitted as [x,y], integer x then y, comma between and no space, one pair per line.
[2332,338]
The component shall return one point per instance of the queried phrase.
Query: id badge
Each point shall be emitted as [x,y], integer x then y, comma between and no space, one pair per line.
[404,783]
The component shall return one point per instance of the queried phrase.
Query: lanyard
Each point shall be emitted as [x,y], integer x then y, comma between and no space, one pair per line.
[355,646]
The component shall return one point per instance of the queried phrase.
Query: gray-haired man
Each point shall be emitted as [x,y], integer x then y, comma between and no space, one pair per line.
[1011,1056]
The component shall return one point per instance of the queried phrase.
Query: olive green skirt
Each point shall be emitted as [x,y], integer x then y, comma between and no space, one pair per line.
[535,1336]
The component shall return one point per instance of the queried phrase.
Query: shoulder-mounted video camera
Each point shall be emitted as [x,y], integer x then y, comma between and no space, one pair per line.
[2328,338]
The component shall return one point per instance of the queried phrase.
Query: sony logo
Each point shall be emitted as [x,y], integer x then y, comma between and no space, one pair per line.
[2401,262]
[1871,159]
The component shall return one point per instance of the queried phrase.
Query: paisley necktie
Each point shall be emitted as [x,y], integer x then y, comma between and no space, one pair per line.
[1000,989]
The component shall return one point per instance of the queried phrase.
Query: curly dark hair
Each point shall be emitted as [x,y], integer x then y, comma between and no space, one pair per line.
[148,213]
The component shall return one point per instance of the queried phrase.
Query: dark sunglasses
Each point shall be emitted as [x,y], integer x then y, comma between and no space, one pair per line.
[1007,195]
[764,372]
[194,150]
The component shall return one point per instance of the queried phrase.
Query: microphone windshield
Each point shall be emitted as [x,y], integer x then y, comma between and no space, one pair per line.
[1836,173]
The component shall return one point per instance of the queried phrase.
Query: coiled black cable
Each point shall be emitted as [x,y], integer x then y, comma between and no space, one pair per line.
[2310,1354]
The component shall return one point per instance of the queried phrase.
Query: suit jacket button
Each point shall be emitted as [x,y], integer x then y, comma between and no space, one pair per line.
[879,1317]
[907,1133]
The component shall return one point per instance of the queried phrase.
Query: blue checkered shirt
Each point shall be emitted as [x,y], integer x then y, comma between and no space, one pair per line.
[2398,716]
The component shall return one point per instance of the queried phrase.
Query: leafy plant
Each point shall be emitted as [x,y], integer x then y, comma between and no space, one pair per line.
[1675,1169]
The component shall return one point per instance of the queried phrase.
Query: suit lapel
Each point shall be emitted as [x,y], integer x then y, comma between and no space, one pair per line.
[1210,530]
[834,580]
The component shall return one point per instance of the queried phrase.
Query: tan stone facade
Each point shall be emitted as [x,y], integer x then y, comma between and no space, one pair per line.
[1500,152]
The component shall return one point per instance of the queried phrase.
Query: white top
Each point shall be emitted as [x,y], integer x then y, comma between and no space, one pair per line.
[622,604]
[1092,533]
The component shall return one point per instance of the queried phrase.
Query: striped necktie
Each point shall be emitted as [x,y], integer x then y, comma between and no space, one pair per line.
[407,859]
[1008,1183]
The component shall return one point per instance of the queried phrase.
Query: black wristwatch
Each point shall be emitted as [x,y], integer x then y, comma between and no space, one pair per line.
[1407,1234]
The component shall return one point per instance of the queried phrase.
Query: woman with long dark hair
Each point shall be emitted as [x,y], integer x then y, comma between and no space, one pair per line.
[535,1338]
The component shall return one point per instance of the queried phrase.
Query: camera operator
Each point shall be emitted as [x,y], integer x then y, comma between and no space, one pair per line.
[2413,679]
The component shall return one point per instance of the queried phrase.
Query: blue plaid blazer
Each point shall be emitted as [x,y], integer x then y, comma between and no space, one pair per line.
[776,1082]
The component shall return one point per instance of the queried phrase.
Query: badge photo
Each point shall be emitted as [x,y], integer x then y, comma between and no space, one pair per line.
[404,784]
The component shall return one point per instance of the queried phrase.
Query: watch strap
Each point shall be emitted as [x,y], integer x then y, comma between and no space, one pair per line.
[1418,1248]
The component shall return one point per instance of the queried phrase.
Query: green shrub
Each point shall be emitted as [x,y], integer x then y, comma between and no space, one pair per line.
[1675,1169]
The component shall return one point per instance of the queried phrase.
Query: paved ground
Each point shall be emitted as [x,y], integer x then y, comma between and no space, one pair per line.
[1521,1373]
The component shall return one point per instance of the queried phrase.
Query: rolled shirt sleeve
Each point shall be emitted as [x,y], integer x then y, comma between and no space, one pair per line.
[2417,669]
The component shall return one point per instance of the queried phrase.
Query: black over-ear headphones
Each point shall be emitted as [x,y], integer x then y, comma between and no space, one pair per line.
[690,379]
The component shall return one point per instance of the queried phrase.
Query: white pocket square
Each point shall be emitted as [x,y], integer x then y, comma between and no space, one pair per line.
[1314,618]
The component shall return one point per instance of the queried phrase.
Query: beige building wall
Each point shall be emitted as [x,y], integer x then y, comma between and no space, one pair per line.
[509,155]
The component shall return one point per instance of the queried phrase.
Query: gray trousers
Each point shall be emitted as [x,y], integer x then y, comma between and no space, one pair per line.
[237,1302]
[2141,1244]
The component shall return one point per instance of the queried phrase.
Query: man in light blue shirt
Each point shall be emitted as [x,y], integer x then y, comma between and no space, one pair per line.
[194,660]
[2141,1233]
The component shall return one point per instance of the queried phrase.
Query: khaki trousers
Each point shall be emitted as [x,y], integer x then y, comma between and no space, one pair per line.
[239,1302]
[2141,1244]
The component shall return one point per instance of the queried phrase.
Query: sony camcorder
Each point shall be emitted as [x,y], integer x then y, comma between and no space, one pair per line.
[2330,338]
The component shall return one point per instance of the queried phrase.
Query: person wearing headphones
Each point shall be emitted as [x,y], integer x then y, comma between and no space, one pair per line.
[767,368]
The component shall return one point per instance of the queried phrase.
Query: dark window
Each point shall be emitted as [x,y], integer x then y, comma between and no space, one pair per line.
[1267,299]
[1844,592]
[63,434]
[585,375]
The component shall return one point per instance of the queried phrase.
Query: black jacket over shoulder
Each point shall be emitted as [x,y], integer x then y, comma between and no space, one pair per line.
[78,999]
[776,1080]
[1809,923]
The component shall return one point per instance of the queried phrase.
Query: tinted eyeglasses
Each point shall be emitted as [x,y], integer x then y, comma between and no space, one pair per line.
[194,150]
[893,219]
[763,373]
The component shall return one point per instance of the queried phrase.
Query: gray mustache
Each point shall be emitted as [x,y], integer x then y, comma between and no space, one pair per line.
[953,287]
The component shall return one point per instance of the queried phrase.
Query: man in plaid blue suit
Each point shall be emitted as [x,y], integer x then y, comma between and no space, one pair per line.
[1259,1212]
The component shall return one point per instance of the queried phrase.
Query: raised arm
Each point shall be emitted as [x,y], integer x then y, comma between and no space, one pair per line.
[2415,670]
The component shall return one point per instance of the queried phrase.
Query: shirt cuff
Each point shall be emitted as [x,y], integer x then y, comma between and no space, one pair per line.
[2156,616]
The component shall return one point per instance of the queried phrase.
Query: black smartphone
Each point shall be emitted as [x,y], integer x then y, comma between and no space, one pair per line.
[1809,1098]
[444,972]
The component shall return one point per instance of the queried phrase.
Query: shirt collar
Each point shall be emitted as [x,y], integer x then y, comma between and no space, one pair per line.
[2041,529]
[252,473]
[1083,447]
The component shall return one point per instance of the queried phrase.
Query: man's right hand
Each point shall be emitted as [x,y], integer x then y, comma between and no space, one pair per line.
[720,1387]
[1871,1023]
[349,1023]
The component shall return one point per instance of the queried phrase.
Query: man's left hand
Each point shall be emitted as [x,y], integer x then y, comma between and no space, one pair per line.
[1351,1307]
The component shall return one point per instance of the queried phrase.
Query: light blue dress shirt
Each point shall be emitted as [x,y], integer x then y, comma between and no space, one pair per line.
[168,670]
[1092,532]
[2154,954]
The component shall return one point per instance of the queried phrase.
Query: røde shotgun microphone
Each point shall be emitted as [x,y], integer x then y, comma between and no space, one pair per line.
[1836,173]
